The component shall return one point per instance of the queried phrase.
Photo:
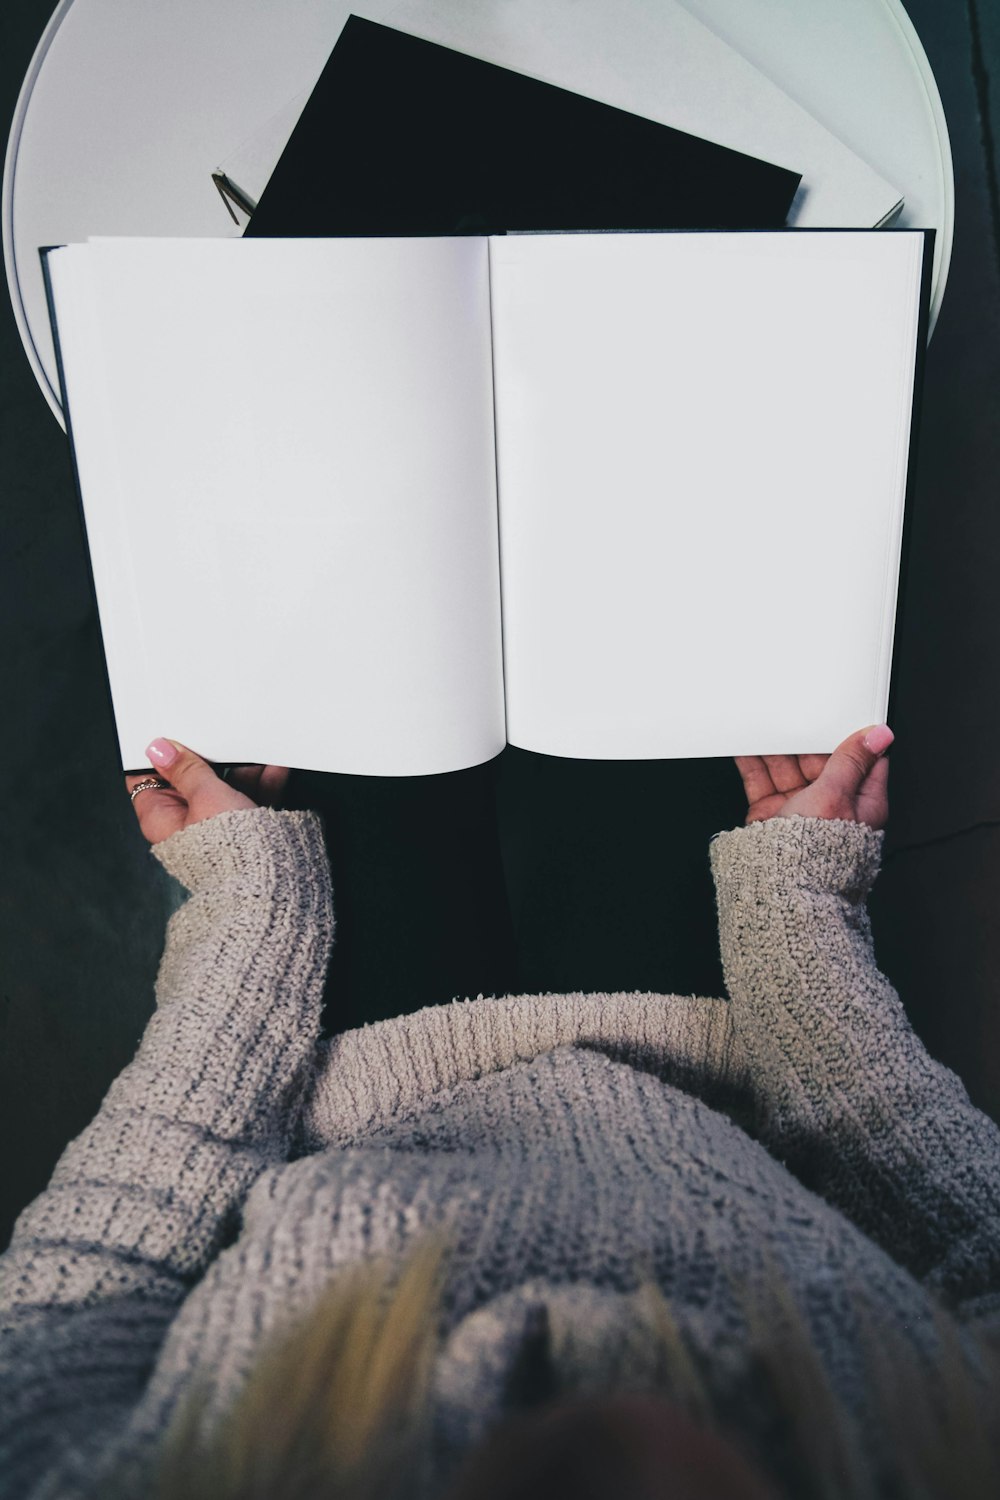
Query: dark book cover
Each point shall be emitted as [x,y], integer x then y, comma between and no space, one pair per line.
[404,137]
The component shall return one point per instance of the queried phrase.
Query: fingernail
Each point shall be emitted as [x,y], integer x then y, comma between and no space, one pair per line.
[161,752]
[879,738]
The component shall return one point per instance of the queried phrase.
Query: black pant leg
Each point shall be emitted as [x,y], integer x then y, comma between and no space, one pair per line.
[608,873]
[599,880]
[418,889]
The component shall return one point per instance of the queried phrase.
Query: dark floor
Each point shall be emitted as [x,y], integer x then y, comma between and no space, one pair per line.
[82,905]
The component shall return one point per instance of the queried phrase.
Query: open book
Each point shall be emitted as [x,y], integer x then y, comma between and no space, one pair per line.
[380,505]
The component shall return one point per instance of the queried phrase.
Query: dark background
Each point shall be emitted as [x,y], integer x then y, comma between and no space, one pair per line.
[83,906]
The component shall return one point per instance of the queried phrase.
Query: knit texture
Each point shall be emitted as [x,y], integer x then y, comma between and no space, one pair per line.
[572,1147]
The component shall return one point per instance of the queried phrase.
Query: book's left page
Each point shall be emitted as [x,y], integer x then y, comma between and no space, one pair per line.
[285,458]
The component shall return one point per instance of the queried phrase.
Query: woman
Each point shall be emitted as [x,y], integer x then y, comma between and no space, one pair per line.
[632,1244]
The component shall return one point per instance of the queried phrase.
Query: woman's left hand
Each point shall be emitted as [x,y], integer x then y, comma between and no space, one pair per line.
[194,792]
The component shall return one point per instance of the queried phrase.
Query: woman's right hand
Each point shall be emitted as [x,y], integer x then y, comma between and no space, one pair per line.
[190,790]
[852,783]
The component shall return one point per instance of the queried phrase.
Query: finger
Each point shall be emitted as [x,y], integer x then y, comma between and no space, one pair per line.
[811,766]
[756,778]
[160,810]
[264,784]
[245,779]
[785,773]
[186,772]
[133,778]
[273,780]
[855,758]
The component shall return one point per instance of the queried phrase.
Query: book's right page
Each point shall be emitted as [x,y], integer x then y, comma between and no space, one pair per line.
[702,450]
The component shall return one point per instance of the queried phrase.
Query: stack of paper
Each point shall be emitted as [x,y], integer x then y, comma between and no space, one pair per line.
[657,61]
[403,136]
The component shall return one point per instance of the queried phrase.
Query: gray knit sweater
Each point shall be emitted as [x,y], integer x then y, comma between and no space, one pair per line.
[573,1144]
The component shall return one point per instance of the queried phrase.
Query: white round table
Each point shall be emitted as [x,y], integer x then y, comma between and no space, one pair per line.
[127,109]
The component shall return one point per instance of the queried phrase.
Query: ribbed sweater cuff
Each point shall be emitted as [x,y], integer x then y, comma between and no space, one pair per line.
[825,854]
[270,847]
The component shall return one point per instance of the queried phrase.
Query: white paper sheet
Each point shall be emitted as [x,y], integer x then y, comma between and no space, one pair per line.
[295,553]
[702,452]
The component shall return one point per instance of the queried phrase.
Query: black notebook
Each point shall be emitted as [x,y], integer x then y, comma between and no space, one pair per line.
[381,505]
[402,136]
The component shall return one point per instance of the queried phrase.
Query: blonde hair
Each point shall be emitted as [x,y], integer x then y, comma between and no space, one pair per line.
[337,1407]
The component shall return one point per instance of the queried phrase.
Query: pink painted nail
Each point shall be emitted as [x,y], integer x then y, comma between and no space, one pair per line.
[879,738]
[161,752]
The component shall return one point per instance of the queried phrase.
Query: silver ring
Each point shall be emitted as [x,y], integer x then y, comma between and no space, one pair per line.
[148,785]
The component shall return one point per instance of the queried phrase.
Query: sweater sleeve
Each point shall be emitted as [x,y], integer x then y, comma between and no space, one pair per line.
[145,1197]
[847,1094]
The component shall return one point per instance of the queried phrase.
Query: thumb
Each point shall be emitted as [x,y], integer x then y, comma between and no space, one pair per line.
[186,772]
[850,764]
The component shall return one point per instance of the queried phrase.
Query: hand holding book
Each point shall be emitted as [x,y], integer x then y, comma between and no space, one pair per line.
[852,784]
[188,790]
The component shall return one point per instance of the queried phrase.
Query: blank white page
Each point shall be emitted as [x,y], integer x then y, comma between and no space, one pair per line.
[702,446]
[285,451]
